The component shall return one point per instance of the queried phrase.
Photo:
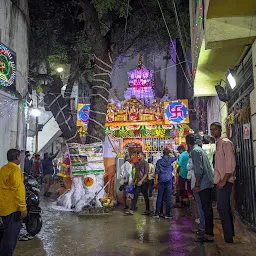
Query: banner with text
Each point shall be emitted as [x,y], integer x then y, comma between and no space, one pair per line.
[86,158]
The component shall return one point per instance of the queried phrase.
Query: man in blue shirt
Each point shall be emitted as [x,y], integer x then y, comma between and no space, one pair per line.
[164,176]
[203,186]
[183,174]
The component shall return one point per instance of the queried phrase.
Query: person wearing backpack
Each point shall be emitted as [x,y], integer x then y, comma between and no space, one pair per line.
[164,169]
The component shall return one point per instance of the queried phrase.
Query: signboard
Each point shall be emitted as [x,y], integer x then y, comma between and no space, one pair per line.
[176,112]
[83,114]
[7,67]
[247,131]
[86,159]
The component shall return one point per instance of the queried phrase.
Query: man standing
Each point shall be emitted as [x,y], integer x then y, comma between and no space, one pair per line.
[27,163]
[210,148]
[183,174]
[164,170]
[203,185]
[12,201]
[141,183]
[224,177]
[151,177]
[36,167]
[126,178]
[48,172]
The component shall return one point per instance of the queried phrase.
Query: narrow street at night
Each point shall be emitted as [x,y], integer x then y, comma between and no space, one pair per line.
[128,128]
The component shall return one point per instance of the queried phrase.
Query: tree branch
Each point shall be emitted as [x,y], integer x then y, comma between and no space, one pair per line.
[133,42]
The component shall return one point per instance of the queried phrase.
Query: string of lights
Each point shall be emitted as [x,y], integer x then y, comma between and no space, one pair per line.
[7,110]
[7,104]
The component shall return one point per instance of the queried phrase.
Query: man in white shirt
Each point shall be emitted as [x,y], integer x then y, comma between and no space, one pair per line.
[210,147]
[151,177]
[126,178]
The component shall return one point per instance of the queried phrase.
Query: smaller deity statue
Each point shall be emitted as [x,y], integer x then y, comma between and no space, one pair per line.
[133,113]
[158,113]
[110,115]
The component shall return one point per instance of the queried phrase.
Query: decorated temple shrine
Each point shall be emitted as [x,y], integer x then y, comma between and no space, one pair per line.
[142,121]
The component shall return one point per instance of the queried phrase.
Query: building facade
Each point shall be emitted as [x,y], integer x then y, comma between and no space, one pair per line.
[223,47]
[14,31]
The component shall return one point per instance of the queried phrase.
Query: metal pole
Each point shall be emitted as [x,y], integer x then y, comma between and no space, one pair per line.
[36,135]
[18,127]
[36,146]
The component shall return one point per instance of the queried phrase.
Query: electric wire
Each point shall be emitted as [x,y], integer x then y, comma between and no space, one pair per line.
[188,81]
[181,36]
[126,22]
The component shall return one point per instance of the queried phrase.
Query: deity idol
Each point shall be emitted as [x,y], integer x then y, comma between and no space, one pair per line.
[133,113]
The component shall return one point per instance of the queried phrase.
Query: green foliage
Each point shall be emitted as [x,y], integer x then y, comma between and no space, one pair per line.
[39,88]
[59,55]
[58,36]
[105,6]
[54,32]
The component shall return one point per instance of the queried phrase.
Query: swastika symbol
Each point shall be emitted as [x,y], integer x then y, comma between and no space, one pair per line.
[176,112]
[84,114]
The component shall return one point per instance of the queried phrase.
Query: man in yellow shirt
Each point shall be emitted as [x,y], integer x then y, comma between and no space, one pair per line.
[12,202]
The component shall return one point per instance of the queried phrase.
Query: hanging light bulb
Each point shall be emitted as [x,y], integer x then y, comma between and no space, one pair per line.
[35,112]
[60,69]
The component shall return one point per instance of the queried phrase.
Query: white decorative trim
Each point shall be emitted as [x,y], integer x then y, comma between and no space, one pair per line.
[102,74]
[97,94]
[104,63]
[102,126]
[101,80]
[61,111]
[72,137]
[102,69]
[96,112]
[98,86]
[56,98]
[66,121]
[110,58]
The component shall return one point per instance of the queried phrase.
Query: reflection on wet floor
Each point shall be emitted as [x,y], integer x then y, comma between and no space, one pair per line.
[65,233]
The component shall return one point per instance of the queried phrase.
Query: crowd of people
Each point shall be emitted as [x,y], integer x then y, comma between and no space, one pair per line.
[205,173]
[206,164]
[40,169]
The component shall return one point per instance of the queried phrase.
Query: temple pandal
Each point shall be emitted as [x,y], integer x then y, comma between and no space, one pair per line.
[142,121]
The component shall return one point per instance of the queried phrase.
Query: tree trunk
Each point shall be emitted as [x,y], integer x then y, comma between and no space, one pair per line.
[102,70]
[61,110]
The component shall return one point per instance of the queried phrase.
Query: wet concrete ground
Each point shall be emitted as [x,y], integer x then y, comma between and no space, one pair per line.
[65,233]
